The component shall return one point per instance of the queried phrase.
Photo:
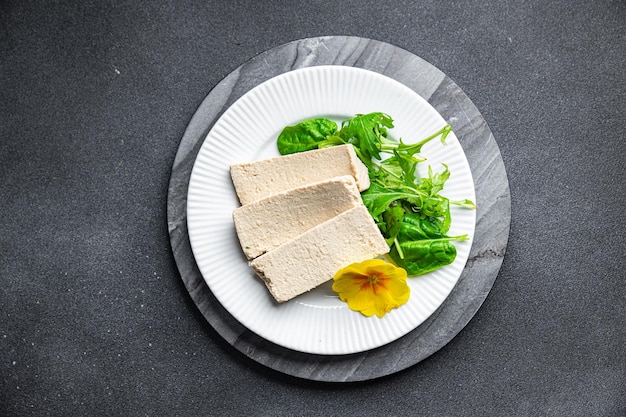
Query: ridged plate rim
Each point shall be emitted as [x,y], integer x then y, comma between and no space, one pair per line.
[314,323]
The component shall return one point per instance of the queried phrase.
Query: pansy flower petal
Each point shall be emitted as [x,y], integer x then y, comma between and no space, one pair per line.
[372,287]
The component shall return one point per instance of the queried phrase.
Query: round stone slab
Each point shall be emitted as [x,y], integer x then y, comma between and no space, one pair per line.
[492,199]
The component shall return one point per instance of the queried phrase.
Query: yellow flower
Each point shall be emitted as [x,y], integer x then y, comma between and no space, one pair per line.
[372,287]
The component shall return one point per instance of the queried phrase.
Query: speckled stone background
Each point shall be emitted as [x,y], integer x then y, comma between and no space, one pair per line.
[95,98]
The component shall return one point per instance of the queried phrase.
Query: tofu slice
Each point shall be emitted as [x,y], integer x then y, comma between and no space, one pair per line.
[315,256]
[260,179]
[270,222]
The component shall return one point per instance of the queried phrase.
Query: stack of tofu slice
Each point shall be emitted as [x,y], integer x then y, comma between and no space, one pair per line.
[302,218]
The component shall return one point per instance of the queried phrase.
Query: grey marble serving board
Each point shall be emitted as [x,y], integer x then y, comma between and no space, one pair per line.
[492,199]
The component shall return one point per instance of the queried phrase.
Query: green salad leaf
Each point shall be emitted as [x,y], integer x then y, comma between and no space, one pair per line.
[408,208]
[307,135]
[367,133]
[423,243]
[422,256]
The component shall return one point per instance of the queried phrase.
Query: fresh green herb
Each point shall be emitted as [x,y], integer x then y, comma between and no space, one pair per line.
[422,256]
[423,244]
[408,209]
[307,135]
[366,132]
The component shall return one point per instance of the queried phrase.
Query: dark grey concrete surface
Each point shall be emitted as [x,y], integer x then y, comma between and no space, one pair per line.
[94,100]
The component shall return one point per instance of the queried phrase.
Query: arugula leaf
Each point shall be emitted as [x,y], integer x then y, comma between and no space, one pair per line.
[378,198]
[438,207]
[468,204]
[365,132]
[435,181]
[392,218]
[414,148]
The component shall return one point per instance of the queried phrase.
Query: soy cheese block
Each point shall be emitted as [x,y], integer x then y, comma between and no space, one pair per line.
[315,256]
[260,179]
[267,223]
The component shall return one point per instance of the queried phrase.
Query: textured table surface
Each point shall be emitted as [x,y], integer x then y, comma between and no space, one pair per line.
[95,316]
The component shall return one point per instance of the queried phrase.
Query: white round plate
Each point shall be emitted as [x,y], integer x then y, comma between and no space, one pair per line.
[316,322]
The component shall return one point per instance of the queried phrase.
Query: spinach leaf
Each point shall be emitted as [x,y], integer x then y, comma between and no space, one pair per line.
[416,227]
[422,256]
[307,135]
